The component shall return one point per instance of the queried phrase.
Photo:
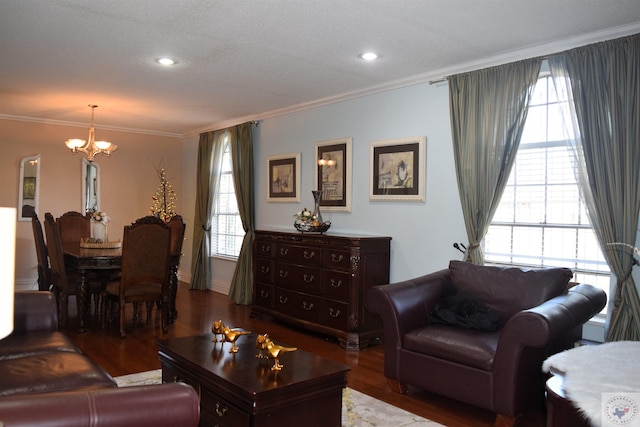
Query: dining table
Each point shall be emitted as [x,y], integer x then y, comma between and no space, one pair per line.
[105,262]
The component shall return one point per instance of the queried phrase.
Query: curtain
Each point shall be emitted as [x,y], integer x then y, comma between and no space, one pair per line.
[488,110]
[241,144]
[210,151]
[606,98]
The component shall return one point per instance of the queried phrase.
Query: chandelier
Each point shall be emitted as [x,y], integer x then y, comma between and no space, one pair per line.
[91,147]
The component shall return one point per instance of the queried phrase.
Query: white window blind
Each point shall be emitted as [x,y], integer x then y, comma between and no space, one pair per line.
[542,220]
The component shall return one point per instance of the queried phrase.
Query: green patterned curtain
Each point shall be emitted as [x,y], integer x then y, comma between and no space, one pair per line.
[488,111]
[241,143]
[210,151]
[604,80]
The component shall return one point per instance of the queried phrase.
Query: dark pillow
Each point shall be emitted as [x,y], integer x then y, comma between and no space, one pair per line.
[508,290]
[464,312]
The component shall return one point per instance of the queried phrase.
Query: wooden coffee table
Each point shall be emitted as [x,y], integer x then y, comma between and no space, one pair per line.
[238,389]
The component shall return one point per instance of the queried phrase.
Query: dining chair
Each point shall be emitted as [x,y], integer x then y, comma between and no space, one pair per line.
[44,269]
[146,250]
[74,226]
[178,227]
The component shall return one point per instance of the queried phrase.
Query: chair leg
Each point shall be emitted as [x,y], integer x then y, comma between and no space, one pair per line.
[149,309]
[123,334]
[136,312]
[506,421]
[397,386]
[164,316]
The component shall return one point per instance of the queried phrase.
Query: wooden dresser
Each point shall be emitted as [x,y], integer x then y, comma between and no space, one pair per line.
[319,281]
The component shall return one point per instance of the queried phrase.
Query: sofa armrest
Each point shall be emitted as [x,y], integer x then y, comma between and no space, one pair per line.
[531,335]
[172,404]
[34,311]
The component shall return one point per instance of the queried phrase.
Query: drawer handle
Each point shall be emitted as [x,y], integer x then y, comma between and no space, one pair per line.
[221,411]
[308,278]
[336,284]
[264,269]
[284,251]
[334,313]
[307,306]
[283,300]
[264,294]
[265,248]
[308,255]
[284,273]
[336,258]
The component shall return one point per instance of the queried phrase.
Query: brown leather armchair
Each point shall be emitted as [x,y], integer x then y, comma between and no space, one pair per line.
[497,370]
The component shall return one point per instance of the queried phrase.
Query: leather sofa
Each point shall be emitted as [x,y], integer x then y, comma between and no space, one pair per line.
[539,314]
[45,380]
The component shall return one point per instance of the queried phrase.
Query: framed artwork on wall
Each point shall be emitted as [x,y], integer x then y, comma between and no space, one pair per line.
[284,178]
[398,169]
[333,174]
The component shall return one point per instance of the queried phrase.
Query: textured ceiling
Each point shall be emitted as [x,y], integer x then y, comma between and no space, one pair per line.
[248,59]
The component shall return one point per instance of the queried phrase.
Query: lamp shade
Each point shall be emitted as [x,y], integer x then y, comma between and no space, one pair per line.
[8,220]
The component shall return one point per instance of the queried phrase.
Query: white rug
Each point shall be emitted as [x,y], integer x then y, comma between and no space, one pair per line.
[358,409]
[593,374]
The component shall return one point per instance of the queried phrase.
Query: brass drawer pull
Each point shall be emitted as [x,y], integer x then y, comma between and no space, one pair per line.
[283,300]
[264,269]
[336,284]
[284,251]
[221,411]
[264,294]
[334,313]
[308,278]
[265,248]
[309,255]
[284,273]
[307,306]
[336,258]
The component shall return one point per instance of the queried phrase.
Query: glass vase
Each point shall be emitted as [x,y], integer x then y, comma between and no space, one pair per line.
[316,215]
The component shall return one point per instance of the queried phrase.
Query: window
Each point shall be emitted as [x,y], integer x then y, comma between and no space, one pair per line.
[226,228]
[541,220]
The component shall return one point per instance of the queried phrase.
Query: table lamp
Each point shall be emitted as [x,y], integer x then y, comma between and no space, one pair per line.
[8,220]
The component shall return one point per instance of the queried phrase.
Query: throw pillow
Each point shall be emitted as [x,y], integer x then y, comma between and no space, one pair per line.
[464,312]
[508,290]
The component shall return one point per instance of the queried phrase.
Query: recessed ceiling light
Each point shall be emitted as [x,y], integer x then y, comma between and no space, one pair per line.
[166,61]
[369,56]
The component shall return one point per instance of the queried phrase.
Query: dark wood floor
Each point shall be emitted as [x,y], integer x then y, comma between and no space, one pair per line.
[198,309]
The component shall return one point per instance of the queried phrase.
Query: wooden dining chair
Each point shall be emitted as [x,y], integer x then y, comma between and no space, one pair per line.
[74,226]
[146,250]
[44,269]
[61,285]
[178,227]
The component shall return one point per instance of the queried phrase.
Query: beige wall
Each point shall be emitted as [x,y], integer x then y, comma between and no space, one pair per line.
[128,179]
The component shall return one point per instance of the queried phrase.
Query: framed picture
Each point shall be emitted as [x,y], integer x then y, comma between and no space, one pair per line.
[333,174]
[29,187]
[284,178]
[398,169]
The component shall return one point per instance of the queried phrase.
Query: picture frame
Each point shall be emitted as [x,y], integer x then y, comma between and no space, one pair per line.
[334,174]
[283,180]
[398,169]
[29,187]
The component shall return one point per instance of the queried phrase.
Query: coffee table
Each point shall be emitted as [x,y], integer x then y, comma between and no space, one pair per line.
[238,389]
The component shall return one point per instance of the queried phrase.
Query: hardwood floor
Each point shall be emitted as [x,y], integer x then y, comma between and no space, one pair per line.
[198,309]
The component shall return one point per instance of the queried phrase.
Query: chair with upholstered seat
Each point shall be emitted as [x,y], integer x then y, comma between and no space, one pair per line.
[177,226]
[146,250]
[74,226]
[44,269]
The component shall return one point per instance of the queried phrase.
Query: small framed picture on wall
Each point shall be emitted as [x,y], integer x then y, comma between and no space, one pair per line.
[333,174]
[398,169]
[284,178]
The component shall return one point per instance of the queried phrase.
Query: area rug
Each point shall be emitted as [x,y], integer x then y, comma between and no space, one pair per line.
[358,409]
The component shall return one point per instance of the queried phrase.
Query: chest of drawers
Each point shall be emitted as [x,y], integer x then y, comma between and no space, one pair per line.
[319,282]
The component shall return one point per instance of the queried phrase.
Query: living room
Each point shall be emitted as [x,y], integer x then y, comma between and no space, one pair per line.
[422,231]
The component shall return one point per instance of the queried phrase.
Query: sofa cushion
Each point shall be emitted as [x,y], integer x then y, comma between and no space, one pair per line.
[507,291]
[32,343]
[464,346]
[51,372]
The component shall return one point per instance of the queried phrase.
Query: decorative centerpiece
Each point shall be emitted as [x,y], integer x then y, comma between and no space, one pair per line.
[267,349]
[311,222]
[100,227]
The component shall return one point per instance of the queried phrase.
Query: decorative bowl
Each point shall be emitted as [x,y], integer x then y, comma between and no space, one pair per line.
[308,227]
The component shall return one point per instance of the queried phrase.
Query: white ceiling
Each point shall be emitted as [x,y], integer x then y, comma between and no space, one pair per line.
[250,59]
